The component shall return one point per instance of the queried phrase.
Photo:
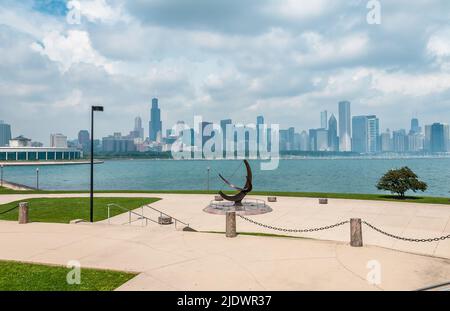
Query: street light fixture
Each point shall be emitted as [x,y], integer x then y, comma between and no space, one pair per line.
[37,178]
[208,169]
[100,109]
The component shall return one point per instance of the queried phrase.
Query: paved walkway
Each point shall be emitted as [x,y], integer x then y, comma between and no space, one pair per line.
[175,260]
[406,219]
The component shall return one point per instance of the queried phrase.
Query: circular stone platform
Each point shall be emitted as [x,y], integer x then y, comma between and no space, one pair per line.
[249,207]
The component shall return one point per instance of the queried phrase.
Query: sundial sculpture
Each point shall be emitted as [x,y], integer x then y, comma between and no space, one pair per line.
[236,202]
[237,198]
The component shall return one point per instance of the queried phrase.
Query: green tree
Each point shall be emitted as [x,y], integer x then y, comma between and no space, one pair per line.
[400,181]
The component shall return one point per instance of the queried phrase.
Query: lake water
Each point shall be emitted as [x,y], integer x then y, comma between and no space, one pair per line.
[321,175]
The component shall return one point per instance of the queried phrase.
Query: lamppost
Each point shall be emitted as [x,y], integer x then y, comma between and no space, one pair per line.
[94,108]
[37,178]
[208,169]
[1,168]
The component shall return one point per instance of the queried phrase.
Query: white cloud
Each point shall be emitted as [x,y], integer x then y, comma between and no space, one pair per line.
[71,49]
[99,11]
[295,9]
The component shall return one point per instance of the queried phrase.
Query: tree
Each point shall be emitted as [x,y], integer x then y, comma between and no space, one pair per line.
[400,181]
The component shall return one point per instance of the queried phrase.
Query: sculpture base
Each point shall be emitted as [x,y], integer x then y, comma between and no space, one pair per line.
[248,207]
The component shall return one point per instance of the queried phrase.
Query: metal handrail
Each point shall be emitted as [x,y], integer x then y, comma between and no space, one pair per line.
[162,213]
[129,214]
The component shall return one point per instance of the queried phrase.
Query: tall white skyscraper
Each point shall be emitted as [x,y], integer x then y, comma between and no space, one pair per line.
[345,132]
[138,127]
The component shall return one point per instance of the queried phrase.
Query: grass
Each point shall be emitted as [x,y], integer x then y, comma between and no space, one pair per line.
[63,210]
[17,276]
[352,196]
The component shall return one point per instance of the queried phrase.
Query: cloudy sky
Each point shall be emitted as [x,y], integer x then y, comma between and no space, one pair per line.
[285,59]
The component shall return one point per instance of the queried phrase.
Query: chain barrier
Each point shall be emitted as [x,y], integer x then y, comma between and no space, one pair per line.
[442,238]
[10,210]
[293,230]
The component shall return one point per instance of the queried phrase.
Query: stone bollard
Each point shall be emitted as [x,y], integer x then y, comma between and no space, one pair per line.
[356,239]
[23,213]
[231,225]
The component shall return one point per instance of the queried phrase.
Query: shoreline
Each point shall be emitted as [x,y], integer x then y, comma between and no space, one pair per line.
[47,163]
[16,187]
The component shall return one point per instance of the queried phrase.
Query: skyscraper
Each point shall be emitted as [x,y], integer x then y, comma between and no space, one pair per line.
[439,137]
[386,141]
[333,139]
[366,130]
[84,139]
[318,139]
[155,124]
[304,141]
[138,127]
[399,140]
[345,132]
[373,134]
[415,127]
[324,119]
[360,134]
[5,134]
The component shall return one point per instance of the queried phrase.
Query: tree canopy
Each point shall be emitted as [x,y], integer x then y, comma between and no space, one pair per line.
[399,181]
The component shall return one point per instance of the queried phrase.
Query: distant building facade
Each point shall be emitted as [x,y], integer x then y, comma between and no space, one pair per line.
[439,140]
[345,132]
[118,144]
[333,139]
[58,141]
[5,134]
[155,124]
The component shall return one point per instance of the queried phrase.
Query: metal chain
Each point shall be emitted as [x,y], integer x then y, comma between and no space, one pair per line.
[442,238]
[293,230]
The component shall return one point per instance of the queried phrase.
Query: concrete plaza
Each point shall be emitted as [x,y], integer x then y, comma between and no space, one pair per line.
[169,259]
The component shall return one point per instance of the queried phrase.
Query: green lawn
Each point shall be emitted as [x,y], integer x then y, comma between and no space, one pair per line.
[66,209]
[354,196]
[17,276]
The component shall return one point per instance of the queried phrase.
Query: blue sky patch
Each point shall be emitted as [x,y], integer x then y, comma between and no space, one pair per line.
[52,7]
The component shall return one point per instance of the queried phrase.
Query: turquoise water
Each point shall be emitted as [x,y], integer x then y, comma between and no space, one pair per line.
[321,175]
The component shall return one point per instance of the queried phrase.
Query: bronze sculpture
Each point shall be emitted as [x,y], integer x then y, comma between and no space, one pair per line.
[237,198]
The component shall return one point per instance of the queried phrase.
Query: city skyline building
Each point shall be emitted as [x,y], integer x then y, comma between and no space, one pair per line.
[84,137]
[439,137]
[333,139]
[415,126]
[138,128]
[155,124]
[386,141]
[58,141]
[399,139]
[366,132]
[5,134]
[345,132]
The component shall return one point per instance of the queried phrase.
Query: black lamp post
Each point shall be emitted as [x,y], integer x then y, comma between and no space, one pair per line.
[94,108]
[37,178]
